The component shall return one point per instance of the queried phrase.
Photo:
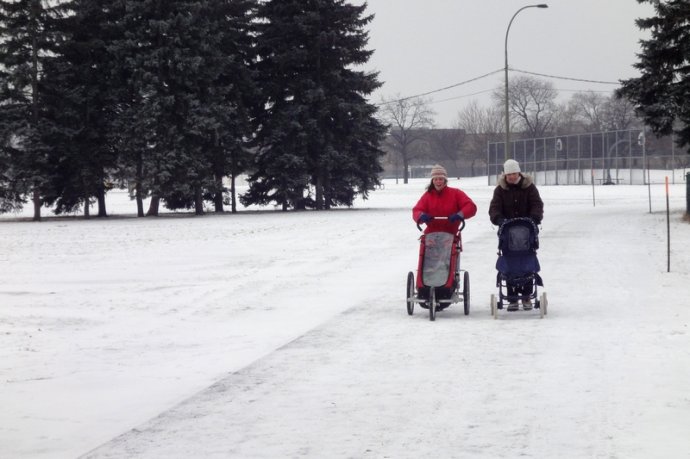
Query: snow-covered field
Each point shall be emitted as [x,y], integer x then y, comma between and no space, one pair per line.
[270,334]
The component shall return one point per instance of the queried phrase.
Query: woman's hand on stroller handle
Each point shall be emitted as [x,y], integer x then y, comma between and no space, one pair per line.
[426,218]
[456,217]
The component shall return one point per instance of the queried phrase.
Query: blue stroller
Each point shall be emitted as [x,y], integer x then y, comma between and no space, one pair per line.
[518,268]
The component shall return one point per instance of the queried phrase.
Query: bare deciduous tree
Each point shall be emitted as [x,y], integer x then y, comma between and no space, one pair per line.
[448,144]
[406,119]
[481,125]
[597,112]
[620,113]
[568,120]
[591,108]
[532,104]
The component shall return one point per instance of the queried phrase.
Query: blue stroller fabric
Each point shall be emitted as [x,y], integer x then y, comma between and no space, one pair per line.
[518,242]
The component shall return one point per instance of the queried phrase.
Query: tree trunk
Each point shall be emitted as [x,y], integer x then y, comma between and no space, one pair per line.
[100,196]
[233,196]
[405,169]
[37,205]
[140,202]
[139,189]
[87,207]
[326,195]
[153,206]
[198,200]
[319,191]
[218,196]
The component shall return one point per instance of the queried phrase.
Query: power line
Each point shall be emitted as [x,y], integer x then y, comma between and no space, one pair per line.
[441,89]
[463,96]
[565,78]
[487,75]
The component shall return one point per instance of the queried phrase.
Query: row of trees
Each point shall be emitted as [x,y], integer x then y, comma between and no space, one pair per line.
[657,99]
[173,98]
[534,112]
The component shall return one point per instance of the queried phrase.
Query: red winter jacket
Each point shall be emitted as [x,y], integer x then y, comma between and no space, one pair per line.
[444,203]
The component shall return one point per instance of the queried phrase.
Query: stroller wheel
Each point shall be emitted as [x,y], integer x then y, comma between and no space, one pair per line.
[432,304]
[410,293]
[466,292]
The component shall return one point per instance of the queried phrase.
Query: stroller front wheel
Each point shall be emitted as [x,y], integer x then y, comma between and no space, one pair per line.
[466,292]
[410,293]
[544,303]
[432,303]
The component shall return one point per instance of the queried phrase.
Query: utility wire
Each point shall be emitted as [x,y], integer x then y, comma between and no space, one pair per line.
[463,96]
[487,75]
[440,89]
[565,78]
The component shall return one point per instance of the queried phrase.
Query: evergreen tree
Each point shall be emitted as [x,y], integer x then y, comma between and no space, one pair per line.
[661,93]
[317,139]
[80,86]
[26,44]
[155,65]
[229,93]
[184,64]
[11,193]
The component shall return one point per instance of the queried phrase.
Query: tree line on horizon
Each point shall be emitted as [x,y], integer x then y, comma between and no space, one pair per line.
[656,100]
[534,110]
[177,98]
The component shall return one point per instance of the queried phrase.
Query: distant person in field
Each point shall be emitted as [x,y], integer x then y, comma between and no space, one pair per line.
[516,196]
[441,200]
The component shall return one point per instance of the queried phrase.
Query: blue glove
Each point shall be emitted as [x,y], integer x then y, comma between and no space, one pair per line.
[424,218]
[454,218]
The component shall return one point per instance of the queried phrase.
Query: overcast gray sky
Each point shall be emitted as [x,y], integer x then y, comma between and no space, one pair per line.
[424,45]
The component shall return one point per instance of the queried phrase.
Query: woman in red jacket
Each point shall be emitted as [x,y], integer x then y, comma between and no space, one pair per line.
[440,200]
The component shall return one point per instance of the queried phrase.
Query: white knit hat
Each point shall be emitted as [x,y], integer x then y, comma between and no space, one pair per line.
[439,171]
[511,167]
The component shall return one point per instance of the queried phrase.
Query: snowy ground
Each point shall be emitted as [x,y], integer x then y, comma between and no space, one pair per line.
[270,334]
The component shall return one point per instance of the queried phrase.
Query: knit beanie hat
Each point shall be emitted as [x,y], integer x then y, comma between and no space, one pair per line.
[439,171]
[511,167]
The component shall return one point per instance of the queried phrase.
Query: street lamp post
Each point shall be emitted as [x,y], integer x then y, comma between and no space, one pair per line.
[541,5]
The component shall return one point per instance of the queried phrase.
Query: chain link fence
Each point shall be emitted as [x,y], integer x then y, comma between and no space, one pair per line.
[603,158]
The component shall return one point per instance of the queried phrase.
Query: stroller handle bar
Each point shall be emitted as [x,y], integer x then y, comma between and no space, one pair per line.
[462,224]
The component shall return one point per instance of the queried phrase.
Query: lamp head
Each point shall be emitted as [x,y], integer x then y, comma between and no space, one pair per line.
[542,5]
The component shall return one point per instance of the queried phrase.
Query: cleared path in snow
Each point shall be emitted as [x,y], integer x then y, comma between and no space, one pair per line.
[604,375]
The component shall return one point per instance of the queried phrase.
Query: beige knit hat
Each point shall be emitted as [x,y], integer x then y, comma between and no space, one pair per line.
[439,171]
[511,167]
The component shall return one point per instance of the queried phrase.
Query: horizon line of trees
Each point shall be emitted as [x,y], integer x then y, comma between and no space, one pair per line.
[173,97]
[534,113]
[658,99]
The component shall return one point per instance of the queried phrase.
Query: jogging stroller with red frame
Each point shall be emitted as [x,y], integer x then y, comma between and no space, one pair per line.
[518,267]
[439,275]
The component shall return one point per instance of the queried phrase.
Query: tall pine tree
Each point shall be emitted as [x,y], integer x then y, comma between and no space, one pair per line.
[80,85]
[661,93]
[184,116]
[317,139]
[26,44]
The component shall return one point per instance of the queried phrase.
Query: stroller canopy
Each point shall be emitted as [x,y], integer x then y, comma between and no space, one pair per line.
[518,242]
[519,235]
